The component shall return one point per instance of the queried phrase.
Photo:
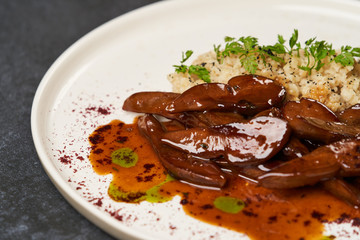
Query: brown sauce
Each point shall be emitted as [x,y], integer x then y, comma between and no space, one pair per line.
[268,214]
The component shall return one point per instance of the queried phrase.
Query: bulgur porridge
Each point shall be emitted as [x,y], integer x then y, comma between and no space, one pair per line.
[334,85]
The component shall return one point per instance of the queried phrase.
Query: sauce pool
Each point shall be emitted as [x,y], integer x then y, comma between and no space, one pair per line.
[119,149]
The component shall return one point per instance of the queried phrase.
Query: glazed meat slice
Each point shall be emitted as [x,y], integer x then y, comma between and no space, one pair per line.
[342,190]
[181,165]
[348,155]
[260,91]
[337,128]
[299,172]
[149,102]
[205,119]
[246,94]
[294,149]
[340,158]
[156,102]
[296,112]
[270,112]
[240,144]
[351,116]
[210,118]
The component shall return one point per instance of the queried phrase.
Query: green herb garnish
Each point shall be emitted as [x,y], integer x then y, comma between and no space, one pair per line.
[197,70]
[346,57]
[250,51]
[318,50]
[251,54]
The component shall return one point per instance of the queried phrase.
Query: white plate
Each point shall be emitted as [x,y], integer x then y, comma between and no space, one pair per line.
[135,52]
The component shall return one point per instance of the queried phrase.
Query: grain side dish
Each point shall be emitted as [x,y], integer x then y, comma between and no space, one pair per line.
[335,85]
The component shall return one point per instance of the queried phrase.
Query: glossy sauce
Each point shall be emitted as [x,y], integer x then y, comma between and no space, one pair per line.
[267,214]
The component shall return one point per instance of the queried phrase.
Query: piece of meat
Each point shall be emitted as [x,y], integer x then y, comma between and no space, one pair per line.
[183,166]
[205,119]
[294,148]
[156,102]
[351,116]
[341,158]
[241,144]
[149,102]
[260,91]
[245,94]
[341,129]
[295,113]
[271,112]
[211,118]
[343,190]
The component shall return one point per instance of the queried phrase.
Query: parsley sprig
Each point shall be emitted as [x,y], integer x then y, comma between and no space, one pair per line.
[251,54]
[346,57]
[197,70]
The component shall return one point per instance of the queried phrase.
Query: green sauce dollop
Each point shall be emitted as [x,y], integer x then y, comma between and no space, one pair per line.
[229,204]
[152,195]
[125,157]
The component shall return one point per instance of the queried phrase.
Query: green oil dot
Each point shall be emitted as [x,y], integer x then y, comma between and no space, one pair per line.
[119,195]
[152,195]
[229,204]
[327,238]
[125,157]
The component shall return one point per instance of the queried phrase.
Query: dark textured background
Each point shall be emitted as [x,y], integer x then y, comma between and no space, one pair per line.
[32,35]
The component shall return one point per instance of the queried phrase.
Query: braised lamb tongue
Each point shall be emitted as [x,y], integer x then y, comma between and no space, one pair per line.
[156,102]
[338,128]
[294,148]
[341,158]
[245,94]
[213,118]
[270,112]
[182,165]
[350,116]
[241,144]
[342,190]
[149,102]
[296,113]
[205,118]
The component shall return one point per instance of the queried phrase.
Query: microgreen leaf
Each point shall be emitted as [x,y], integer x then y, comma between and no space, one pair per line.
[345,59]
[293,40]
[197,70]
[186,56]
[217,52]
[229,39]
[281,39]
[355,52]
[249,63]
[201,72]
[180,68]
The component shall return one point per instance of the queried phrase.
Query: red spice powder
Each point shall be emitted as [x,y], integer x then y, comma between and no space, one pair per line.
[65,159]
[99,110]
[98,203]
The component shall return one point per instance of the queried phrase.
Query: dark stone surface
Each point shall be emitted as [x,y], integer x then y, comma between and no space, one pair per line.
[32,35]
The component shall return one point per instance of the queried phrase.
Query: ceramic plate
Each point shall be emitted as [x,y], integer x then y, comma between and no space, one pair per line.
[87,85]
